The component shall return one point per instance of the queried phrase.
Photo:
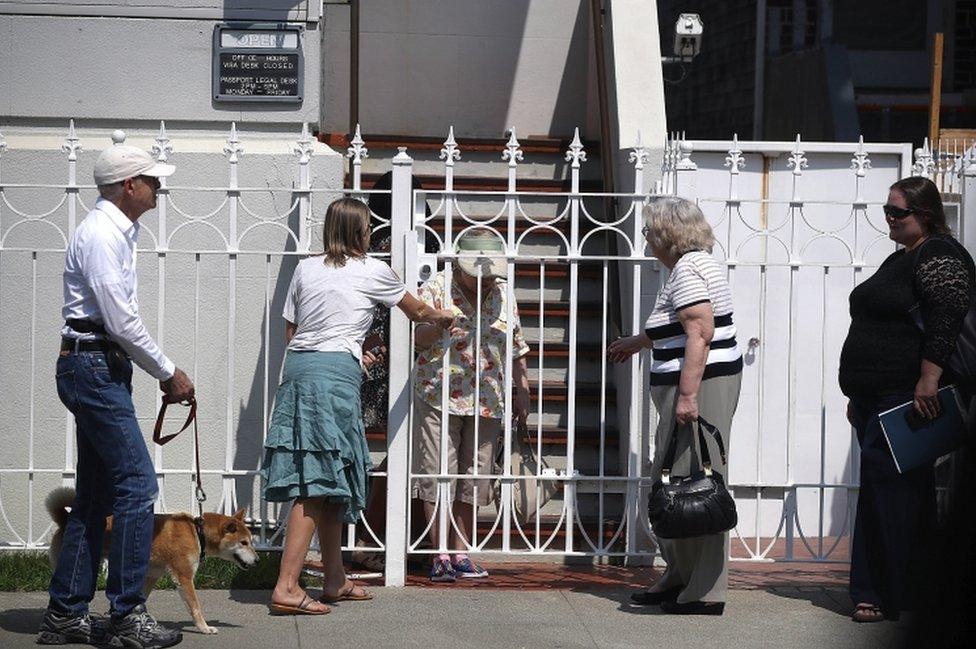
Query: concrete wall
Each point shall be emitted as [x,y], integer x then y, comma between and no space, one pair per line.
[129,70]
[481,66]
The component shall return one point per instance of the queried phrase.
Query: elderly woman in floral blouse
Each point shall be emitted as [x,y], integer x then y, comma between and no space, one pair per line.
[464,440]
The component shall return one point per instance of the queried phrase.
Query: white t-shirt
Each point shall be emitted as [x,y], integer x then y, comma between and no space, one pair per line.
[333,305]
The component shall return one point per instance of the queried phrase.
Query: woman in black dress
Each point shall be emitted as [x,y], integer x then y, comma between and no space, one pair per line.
[887,361]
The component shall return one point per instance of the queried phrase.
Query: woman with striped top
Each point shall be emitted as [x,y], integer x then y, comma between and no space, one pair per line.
[696,370]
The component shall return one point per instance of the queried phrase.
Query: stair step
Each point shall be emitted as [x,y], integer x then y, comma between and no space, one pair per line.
[561,309]
[559,391]
[558,271]
[561,350]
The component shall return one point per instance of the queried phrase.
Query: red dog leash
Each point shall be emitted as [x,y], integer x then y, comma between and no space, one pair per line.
[191,418]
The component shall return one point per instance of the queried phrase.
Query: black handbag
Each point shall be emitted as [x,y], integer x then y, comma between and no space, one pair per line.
[695,505]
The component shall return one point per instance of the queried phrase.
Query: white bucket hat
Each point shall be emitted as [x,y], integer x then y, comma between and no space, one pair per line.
[121,161]
[479,241]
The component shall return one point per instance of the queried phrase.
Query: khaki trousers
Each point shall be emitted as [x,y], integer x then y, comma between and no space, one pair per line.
[461,443]
[699,564]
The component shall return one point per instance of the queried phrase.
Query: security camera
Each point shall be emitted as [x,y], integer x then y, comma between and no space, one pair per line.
[688,36]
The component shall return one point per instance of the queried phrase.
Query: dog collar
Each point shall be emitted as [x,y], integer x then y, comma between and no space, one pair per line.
[198,523]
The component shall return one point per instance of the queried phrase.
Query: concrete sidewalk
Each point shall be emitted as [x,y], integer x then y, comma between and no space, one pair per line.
[434,618]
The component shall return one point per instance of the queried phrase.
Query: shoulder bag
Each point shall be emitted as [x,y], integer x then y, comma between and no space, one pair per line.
[529,494]
[696,505]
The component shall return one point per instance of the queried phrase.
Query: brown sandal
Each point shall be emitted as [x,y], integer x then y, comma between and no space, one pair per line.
[303,608]
[348,596]
[865,613]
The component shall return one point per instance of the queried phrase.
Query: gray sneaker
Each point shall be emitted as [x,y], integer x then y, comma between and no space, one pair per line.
[139,630]
[61,628]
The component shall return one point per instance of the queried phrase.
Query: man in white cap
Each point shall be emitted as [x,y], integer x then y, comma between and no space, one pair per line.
[103,333]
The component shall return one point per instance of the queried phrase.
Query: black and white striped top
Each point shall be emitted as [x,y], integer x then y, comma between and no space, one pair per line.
[696,278]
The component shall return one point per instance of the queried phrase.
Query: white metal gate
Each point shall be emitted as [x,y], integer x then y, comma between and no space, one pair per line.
[797,224]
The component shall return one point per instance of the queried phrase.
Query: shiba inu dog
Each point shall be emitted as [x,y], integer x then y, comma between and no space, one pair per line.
[179,542]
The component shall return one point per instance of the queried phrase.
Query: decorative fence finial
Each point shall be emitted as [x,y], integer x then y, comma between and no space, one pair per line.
[303,147]
[968,159]
[161,147]
[639,156]
[924,163]
[72,145]
[798,161]
[576,154]
[450,152]
[860,163]
[233,148]
[357,148]
[513,151]
[685,149]
[118,136]
[735,160]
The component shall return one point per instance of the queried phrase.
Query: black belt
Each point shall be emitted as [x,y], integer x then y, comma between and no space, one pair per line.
[70,345]
[86,326]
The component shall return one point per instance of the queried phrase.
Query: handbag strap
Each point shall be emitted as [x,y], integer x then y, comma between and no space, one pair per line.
[713,431]
[520,431]
[706,459]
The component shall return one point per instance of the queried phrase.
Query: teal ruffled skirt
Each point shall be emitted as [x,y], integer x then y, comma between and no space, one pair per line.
[316,444]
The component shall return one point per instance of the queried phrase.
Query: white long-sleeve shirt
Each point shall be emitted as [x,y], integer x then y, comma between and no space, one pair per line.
[100,285]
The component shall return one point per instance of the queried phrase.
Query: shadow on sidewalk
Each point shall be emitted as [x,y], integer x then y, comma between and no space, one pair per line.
[835,600]
[24,621]
[250,596]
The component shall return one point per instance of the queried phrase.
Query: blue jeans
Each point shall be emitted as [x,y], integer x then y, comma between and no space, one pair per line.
[114,476]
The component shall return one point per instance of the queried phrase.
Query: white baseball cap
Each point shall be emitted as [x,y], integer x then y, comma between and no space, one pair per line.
[482,242]
[121,161]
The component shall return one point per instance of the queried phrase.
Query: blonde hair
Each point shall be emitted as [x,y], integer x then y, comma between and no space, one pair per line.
[676,226]
[346,231]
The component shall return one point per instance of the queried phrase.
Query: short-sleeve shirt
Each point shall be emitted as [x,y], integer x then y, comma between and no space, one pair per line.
[462,381]
[696,278]
[332,306]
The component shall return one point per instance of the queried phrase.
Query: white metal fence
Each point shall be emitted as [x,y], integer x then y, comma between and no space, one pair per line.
[797,225]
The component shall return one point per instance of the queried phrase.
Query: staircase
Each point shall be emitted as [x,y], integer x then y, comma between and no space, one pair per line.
[543,171]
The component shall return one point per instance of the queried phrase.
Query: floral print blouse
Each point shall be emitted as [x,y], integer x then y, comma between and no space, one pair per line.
[461,384]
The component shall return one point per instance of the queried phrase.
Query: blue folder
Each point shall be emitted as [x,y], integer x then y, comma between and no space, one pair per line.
[914,440]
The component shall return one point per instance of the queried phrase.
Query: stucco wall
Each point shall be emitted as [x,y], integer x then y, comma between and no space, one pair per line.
[128,70]
[481,66]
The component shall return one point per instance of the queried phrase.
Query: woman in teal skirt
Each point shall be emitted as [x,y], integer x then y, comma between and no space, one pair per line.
[315,454]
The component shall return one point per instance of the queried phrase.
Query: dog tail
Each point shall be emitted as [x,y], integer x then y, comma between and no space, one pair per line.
[57,503]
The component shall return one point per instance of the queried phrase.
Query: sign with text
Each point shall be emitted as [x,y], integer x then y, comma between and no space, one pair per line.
[258,63]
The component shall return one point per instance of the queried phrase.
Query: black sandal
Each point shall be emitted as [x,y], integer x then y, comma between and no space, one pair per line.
[693,608]
[867,613]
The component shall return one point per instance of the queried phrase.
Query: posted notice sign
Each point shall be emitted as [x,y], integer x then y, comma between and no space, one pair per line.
[258,63]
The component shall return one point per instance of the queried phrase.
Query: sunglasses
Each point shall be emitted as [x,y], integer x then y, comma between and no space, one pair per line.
[896,212]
